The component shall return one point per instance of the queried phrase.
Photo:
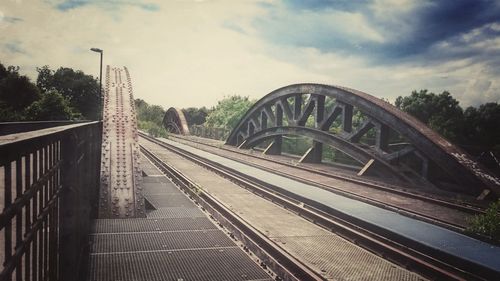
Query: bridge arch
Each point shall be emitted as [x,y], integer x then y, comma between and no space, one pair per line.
[175,122]
[384,140]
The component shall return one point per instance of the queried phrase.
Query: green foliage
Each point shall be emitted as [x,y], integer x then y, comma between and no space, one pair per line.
[474,127]
[152,128]
[482,126]
[80,89]
[487,224]
[440,112]
[296,145]
[58,95]
[150,118]
[146,112]
[52,106]
[228,112]
[16,93]
[195,116]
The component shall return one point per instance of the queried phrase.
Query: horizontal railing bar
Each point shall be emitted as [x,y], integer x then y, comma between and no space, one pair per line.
[30,136]
[16,151]
[7,128]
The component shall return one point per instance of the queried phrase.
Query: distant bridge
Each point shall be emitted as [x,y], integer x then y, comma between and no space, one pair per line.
[382,139]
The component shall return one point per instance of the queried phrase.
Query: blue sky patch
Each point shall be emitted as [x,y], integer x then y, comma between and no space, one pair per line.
[14,47]
[12,19]
[398,35]
[67,5]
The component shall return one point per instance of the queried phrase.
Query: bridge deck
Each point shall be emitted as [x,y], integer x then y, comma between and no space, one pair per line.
[177,241]
[326,253]
[414,205]
[433,236]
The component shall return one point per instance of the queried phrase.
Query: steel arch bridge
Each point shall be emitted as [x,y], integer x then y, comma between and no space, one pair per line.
[383,140]
[120,194]
[175,121]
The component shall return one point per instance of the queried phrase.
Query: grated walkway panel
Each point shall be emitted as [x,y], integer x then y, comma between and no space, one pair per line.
[151,241]
[168,200]
[176,241]
[148,225]
[196,265]
[176,212]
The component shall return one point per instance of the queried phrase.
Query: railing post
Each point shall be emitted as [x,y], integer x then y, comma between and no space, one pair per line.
[69,205]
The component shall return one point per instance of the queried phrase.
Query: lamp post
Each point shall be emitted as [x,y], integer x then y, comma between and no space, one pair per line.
[97,50]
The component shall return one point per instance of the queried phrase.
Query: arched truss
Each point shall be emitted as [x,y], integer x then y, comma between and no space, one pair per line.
[400,146]
[175,121]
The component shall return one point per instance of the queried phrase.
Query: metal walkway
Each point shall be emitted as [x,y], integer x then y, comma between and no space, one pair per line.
[329,255]
[176,241]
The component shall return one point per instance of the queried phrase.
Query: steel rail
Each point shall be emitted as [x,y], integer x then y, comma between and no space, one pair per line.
[287,267]
[430,262]
[471,209]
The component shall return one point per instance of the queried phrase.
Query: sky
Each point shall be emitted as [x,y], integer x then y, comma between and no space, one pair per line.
[194,53]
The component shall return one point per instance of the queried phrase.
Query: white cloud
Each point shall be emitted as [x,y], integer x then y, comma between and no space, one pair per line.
[481,88]
[185,54]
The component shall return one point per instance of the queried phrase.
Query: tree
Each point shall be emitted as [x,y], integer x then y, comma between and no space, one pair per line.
[16,93]
[150,118]
[440,112]
[151,113]
[3,72]
[482,126]
[195,116]
[80,89]
[228,112]
[52,106]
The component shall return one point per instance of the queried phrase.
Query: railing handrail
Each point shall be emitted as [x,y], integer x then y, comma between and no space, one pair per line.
[7,128]
[32,135]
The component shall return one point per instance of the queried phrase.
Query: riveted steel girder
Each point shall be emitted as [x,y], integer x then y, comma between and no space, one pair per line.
[120,194]
[457,165]
[357,153]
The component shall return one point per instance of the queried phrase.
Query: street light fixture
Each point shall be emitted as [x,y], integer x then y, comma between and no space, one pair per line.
[97,50]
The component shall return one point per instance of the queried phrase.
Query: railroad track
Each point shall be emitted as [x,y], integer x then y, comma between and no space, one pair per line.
[462,207]
[284,265]
[414,255]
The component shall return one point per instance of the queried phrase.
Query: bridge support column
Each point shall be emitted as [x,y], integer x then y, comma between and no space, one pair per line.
[382,137]
[313,154]
[275,147]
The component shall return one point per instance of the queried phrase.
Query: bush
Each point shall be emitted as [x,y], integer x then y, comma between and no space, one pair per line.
[487,224]
[52,106]
[152,128]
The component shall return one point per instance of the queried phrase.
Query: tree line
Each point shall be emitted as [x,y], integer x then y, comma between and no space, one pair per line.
[472,128]
[66,94]
[150,118]
[62,94]
[225,114]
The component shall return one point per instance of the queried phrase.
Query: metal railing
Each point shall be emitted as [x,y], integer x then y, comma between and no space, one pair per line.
[49,183]
[21,127]
[209,132]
